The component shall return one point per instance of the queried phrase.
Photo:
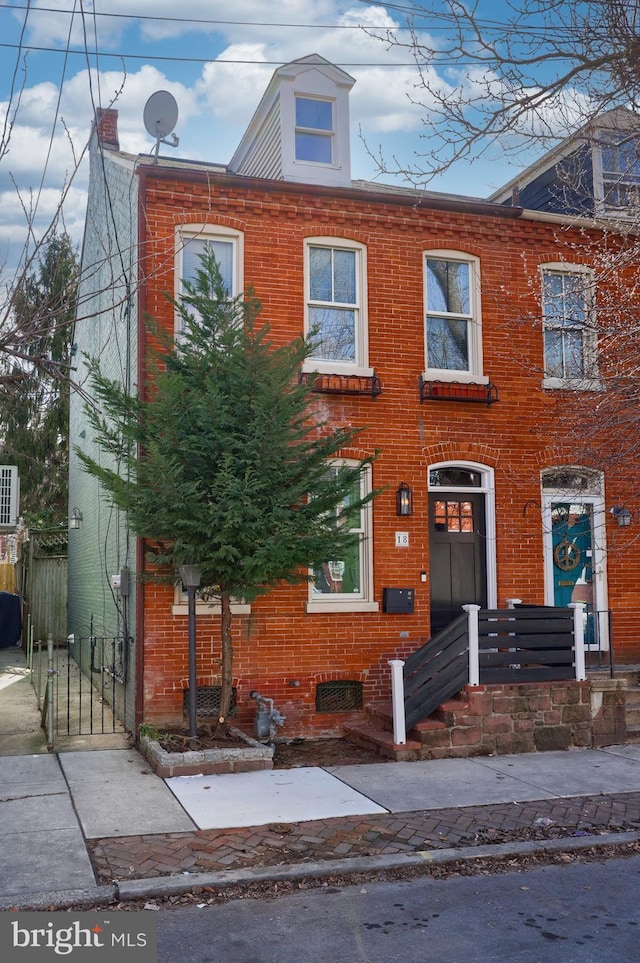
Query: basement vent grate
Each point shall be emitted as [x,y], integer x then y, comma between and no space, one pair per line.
[342,696]
[207,701]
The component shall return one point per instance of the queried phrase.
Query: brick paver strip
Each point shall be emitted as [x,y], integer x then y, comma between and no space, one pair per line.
[135,857]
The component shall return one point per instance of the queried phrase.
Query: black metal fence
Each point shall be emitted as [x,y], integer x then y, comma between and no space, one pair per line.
[79,685]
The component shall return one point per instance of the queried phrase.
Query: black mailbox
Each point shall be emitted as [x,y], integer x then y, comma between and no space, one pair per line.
[398,600]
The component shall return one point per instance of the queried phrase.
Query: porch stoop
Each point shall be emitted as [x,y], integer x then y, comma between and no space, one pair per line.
[506,718]
[630,675]
[426,740]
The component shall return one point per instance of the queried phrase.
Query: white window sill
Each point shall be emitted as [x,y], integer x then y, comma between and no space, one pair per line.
[336,368]
[315,165]
[349,605]
[462,377]
[210,608]
[573,384]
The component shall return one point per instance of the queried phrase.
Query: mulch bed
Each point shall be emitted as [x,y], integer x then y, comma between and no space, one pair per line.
[289,755]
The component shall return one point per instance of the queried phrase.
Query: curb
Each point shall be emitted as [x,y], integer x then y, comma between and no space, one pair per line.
[61,899]
[176,885]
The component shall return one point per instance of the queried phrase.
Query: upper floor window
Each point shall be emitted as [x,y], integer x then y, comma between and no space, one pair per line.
[452,322]
[567,324]
[314,130]
[335,305]
[226,246]
[620,171]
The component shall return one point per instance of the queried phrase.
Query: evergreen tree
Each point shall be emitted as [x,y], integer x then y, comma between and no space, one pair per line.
[220,462]
[34,393]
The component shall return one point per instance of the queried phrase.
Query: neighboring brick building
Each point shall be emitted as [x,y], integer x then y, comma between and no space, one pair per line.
[430,309]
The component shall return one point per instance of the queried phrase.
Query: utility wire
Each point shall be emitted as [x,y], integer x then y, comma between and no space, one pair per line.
[199,21]
[149,58]
[412,12]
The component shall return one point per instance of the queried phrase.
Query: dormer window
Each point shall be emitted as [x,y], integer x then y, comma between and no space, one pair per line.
[620,171]
[300,131]
[568,326]
[314,130]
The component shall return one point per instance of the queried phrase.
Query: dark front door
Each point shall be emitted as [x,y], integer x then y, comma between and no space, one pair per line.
[457,555]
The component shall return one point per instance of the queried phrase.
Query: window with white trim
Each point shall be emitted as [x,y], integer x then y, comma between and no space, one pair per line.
[453,332]
[335,295]
[9,495]
[568,326]
[226,246]
[314,131]
[345,583]
[618,183]
[207,603]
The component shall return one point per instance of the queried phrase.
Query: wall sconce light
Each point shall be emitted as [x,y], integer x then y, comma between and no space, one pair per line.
[75,519]
[404,500]
[622,514]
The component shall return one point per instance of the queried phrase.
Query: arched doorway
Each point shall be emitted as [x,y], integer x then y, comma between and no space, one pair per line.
[461,539]
[574,546]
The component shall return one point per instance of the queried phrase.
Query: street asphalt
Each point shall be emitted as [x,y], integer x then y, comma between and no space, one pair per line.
[95,826]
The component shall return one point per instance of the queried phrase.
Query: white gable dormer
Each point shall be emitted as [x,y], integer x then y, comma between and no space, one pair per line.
[300,130]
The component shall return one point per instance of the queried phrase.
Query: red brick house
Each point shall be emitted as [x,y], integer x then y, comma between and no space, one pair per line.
[456,330]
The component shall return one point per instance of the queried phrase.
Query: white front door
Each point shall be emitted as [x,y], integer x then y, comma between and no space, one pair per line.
[574,554]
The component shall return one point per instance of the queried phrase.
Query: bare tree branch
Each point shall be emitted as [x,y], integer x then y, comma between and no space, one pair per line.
[543,73]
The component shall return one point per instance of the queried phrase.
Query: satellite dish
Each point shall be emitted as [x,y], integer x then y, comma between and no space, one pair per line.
[160,117]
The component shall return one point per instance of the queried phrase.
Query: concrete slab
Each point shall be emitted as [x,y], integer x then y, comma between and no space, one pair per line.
[434,784]
[632,751]
[116,794]
[44,860]
[20,723]
[30,775]
[486,780]
[578,772]
[268,796]
[53,812]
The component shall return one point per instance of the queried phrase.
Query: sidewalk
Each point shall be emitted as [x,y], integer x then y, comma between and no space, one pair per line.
[93,827]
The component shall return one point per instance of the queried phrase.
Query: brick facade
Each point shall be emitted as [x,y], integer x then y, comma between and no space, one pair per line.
[281,649]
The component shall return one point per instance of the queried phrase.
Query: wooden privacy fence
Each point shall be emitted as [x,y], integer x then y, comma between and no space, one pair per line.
[526,645]
[7,577]
[45,583]
[484,647]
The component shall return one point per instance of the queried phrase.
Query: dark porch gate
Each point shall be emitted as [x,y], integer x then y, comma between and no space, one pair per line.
[80,687]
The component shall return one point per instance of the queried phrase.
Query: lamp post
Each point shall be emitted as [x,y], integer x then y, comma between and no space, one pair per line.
[191,575]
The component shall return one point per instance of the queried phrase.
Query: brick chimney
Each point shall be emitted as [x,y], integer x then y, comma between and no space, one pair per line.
[106,127]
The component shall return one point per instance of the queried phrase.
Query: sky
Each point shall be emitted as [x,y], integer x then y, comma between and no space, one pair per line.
[59,59]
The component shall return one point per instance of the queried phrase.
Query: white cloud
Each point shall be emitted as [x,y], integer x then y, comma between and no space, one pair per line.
[231,94]
[234,21]
[160,20]
[216,99]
